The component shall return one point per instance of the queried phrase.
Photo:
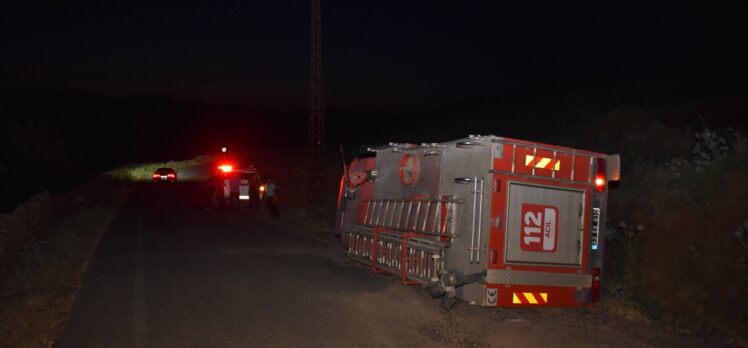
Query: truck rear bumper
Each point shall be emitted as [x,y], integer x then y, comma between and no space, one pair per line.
[510,277]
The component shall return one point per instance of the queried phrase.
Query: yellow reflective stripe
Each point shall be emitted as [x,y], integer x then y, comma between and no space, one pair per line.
[543,162]
[530,297]
[529,159]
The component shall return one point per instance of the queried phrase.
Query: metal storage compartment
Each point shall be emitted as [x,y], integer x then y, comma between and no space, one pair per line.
[559,215]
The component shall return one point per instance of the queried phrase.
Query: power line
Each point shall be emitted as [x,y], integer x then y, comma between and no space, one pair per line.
[316,164]
[316,101]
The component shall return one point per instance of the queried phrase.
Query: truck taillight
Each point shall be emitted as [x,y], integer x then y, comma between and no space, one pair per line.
[596,284]
[600,180]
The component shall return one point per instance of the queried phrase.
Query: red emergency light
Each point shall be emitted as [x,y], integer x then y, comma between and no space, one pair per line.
[226,168]
[600,180]
[596,285]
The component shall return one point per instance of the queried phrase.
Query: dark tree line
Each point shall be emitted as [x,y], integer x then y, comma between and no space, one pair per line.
[34,157]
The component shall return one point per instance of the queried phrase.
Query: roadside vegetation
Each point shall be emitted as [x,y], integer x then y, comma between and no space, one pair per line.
[34,156]
[677,243]
[45,247]
[50,224]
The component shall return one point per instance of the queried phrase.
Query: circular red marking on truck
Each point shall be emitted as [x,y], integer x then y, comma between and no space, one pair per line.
[409,169]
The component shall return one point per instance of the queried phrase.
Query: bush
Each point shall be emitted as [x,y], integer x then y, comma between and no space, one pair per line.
[687,191]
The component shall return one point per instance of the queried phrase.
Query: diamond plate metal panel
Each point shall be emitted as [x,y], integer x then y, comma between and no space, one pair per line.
[468,158]
[465,161]
[538,278]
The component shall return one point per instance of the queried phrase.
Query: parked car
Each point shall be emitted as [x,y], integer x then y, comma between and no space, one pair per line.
[165,175]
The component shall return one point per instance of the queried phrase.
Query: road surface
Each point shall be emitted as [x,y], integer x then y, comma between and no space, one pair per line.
[171,274]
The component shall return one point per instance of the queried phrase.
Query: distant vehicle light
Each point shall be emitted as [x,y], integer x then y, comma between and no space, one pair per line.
[226,168]
[262,188]
[171,175]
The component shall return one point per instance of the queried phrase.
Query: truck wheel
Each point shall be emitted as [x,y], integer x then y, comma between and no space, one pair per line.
[447,302]
[436,291]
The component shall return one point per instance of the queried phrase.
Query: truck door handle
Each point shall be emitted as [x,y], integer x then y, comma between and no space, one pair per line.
[465,180]
[468,143]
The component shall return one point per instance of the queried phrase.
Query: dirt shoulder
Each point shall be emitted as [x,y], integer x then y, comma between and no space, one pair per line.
[609,324]
[45,269]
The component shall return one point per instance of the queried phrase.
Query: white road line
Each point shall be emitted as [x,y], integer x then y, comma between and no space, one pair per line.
[294,230]
[139,323]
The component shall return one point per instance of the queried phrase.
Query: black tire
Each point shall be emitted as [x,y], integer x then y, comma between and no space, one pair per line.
[447,302]
[344,240]
[435,291]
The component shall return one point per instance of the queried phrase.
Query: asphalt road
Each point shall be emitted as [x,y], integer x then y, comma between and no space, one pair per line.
[171,274]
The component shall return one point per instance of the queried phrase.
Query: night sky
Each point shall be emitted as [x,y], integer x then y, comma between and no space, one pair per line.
[107,83]
[392,56]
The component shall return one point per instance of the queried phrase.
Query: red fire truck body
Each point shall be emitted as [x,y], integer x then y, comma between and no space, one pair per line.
[489,220]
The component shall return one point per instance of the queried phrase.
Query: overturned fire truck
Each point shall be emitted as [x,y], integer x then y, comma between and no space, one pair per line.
[489,220]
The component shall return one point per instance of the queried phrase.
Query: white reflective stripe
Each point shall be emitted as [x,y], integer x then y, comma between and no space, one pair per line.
[243,197]
[549,229]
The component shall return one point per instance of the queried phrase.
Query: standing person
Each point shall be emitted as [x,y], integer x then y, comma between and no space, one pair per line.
[218,183]
[233,190]
[276,202]
[211,193]
[271,198]
[254,194]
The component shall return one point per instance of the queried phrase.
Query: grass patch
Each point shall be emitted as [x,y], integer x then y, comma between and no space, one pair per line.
[143,171]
